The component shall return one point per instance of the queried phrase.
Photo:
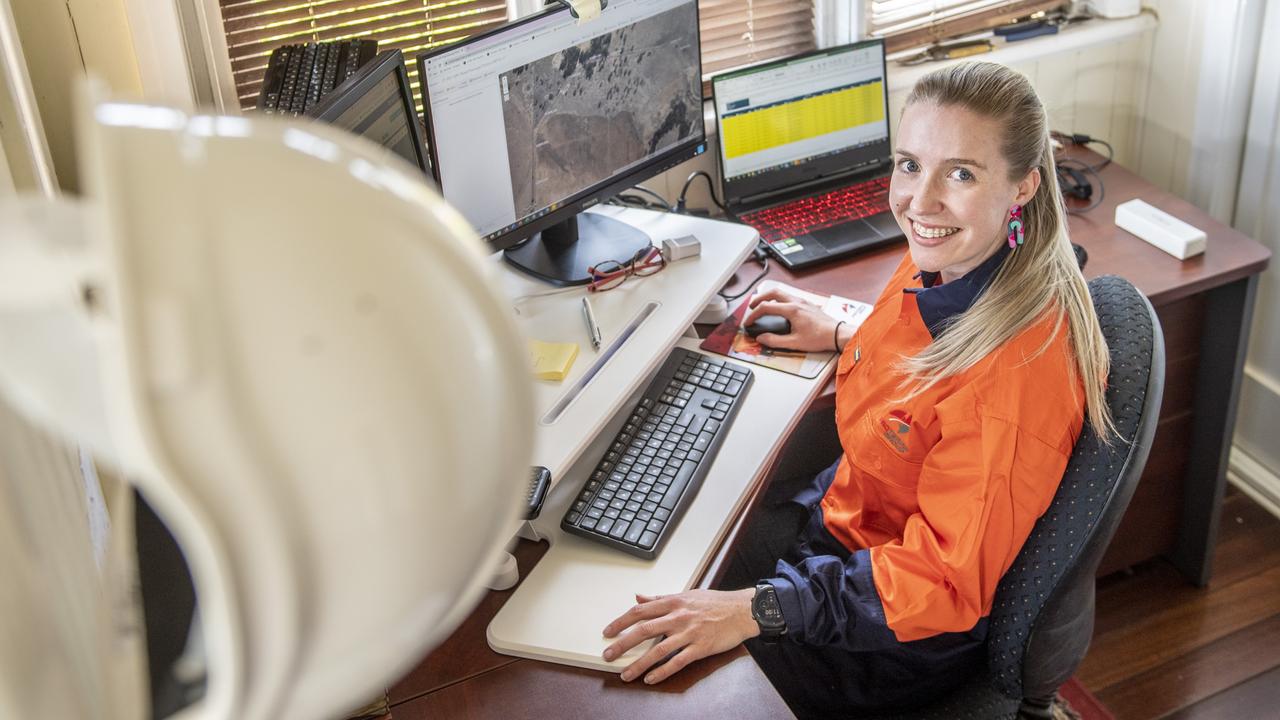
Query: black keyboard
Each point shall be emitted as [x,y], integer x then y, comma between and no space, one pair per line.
[656,463]
[297,76]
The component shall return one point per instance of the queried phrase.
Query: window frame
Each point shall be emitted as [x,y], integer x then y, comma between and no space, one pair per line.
[213,81]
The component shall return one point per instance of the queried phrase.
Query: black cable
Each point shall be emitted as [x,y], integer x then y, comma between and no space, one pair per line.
[666,205]
[764,270]
[1111,153]
[1082,139]
[625,198]
[711,186]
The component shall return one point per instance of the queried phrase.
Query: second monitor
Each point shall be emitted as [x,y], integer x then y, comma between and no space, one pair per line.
[532,123]
[375,103]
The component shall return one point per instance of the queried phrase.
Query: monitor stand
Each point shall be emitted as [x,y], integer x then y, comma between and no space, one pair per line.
[561,254]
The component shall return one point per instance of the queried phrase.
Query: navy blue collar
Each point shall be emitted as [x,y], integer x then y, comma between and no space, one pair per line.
[940,303]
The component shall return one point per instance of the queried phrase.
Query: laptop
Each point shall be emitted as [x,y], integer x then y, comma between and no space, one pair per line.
[804,153]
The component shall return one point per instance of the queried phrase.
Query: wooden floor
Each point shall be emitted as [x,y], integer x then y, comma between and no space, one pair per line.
[1164,649]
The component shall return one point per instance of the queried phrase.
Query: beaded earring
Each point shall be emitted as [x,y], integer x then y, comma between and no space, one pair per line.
[1015,226]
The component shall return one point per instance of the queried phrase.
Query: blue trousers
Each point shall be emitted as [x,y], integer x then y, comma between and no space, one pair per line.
[824,682]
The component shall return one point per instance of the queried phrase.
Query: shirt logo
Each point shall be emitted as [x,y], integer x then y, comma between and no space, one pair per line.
[896,426]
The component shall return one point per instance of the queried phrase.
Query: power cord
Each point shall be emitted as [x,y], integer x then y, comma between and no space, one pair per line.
[629,199]
[681,206]
[762,256]
[1082,139]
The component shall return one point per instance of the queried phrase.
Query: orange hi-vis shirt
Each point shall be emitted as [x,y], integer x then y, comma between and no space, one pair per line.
[944,488]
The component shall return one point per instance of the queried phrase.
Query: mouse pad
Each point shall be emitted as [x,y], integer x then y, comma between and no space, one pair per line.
[730,340]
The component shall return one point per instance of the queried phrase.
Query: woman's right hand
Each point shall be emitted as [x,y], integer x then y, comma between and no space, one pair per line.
[811,329]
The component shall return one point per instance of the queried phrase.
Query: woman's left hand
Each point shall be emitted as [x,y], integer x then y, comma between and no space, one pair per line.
[695,623]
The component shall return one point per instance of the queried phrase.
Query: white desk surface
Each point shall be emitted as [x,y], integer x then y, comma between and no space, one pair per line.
[681,290]
[578,586]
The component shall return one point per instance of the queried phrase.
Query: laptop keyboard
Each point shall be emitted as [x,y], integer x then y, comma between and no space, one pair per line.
[805,215]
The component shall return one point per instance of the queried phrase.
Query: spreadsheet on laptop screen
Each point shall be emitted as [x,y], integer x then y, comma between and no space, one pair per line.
[801,110]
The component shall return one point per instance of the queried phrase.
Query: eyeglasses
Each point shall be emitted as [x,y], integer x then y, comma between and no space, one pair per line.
[611,273]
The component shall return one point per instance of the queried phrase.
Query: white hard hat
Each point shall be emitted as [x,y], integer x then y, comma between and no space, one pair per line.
[305,369]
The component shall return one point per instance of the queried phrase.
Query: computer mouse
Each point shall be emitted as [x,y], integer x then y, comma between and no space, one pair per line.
[775,324]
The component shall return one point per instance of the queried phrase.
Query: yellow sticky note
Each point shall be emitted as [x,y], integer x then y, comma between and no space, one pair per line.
[551,360]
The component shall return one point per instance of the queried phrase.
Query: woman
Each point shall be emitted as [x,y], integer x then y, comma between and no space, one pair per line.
[958,402]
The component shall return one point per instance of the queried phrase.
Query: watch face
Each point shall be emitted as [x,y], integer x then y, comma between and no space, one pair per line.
[767,610]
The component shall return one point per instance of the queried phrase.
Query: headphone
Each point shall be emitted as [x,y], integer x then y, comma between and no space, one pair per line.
[1073,182]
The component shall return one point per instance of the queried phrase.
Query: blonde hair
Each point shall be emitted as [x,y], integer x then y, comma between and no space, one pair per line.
[1041,275]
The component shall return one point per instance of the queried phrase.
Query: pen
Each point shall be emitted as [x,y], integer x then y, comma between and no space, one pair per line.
[593,329]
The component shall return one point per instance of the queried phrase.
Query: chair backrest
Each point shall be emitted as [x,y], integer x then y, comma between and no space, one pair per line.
[1042,617]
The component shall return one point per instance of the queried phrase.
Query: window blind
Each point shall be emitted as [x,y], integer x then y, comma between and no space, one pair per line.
[256,27]
[743,32]
[734,32]
[911,23]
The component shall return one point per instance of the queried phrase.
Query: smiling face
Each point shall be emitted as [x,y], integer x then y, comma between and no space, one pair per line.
[950,189]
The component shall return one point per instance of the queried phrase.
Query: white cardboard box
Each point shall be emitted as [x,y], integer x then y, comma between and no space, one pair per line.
[1160,229]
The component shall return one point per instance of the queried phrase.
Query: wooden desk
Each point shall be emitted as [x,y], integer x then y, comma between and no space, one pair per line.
[1205,305]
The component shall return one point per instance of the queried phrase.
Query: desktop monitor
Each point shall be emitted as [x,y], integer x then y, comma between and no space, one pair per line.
[532,123]
[377,104]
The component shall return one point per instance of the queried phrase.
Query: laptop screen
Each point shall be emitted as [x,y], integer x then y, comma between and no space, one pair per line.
[802,118]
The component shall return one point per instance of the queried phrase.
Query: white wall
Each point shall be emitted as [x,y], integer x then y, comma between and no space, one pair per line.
[53,61]
[25,164]
[1173,58]
[62,41]
[1257,213]
[1204,42]
[7,188]
[1096,91]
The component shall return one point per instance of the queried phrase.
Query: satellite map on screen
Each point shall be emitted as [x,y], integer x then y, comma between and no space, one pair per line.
[582,114]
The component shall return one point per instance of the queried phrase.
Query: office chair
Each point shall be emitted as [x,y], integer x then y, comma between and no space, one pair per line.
[1042,618]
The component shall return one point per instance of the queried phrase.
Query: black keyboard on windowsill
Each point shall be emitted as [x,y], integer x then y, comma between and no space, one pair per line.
[298,76]
[658,460]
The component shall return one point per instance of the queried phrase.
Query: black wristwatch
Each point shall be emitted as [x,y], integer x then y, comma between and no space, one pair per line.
[767,612]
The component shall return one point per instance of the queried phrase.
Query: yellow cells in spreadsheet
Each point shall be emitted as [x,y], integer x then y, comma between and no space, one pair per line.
[790,122]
